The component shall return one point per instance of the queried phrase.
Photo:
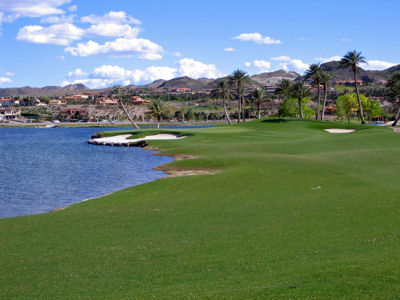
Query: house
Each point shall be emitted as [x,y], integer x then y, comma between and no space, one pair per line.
[76,98]
[57,102]
[5,102]
[74,114]
[9,113]
[141,102]
[348,82]
[107,101]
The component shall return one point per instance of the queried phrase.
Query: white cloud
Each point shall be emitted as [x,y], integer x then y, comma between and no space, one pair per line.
[10,73]
[196,69]
[111,17]
[257,38]
[377,65]
[107,75]
[58,19]
[120,47]
[229,49]
[112,24]
[328,59]
[294,65]
[58,34]
[281,58]
[344,40]
[4,80]
[72,8]
[113,30]
[177,54]
[262,65]
[77,73]
[32,8]
[91,83]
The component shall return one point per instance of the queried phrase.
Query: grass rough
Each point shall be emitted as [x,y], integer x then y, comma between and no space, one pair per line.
[295,212]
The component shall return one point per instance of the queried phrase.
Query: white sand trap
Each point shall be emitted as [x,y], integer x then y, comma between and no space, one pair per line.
[124,138]
[335,130]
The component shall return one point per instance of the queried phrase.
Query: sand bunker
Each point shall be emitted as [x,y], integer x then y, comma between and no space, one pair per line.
[125,140]
[335,130]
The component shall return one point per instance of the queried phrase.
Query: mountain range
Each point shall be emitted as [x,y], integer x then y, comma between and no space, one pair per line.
[267,78]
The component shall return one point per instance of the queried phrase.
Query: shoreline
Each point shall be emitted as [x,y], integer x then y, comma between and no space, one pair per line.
[168,173]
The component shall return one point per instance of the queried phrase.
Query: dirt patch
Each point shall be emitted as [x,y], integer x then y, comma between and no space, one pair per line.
[396,129]
[179,173]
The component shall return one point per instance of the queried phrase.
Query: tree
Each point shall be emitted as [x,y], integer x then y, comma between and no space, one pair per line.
[325,79]
[283,88]
[372,108]
[299,91]
[224,91]
[158,109]
[394,88]
[120,95]
[314,73]
[290,108]
[258,98]
[239,78]
[353,59]
[346,105]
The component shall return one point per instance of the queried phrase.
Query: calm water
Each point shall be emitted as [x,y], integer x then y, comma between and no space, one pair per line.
[45,168]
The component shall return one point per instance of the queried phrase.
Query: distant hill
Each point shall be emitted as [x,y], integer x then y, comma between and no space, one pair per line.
[155,84]
[184,82]
[267,78]
[272,78]
[44,91]
[334,69]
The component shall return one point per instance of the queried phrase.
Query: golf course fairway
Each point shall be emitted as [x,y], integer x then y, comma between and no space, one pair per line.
[293,211]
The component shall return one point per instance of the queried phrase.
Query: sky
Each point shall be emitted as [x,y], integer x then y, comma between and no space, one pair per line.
[104,43]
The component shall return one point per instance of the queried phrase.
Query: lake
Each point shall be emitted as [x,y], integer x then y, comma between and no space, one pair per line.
[46,168]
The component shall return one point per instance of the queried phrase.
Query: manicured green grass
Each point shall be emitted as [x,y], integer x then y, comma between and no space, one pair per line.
[295,213]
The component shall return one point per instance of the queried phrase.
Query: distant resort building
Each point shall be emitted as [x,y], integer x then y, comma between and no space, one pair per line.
[5,102]
[76,98]
[107,101]
[57,102]
[9,113]
[348,82]
[137,100]
[73,114]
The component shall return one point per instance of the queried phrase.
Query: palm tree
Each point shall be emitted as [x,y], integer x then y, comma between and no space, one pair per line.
[283,88]
[258,98]
[394,88]
[117,92]
[158,109]
[299,91]
[224,91]
[314,73]
[353,59]
[239,78]
[325,79]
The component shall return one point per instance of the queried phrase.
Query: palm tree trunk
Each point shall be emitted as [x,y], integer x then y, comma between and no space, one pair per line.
[397,117]
[226,112]
[301,108]
[127,114]
[358,99]
[259,111]
[158,121]
[325,96]
[239,103]
[318,103]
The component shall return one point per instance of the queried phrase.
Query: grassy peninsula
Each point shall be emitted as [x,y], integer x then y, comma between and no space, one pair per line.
[295,212]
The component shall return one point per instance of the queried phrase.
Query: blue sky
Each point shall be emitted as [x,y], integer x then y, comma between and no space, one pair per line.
[103,43]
